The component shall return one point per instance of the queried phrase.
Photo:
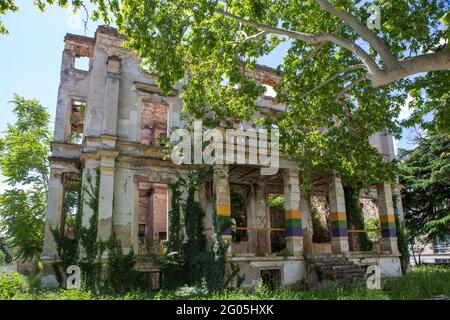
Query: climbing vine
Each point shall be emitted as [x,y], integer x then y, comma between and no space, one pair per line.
[355,216]
[402,240]
[67,245]
[187,260]
[90,266]
[119,275]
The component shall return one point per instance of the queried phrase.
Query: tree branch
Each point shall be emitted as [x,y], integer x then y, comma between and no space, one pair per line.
[365,33]
[395,70]
[249,38]
[349,87]
[435,61]
[312,39]
[351,68]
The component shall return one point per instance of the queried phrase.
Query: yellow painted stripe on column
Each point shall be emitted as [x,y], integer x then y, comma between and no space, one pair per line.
[386,218]
[292,214]
[223,210]
[335,216]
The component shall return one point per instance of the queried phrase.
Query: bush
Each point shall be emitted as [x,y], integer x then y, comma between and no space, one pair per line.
[372,223]
[12,284]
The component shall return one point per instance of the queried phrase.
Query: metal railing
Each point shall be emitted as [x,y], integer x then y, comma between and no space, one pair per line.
[441,249]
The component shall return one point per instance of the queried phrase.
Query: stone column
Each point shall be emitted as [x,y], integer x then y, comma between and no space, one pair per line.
[262,220]
[292,216]
[387,218]
[54,212]
[223,207]
[63,107]
[111,96]
[338,217]
[52,221]
[106,193]
[89,179]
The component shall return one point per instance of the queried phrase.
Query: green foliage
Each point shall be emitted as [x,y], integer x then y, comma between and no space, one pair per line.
[276,202]
[12,284]
[321,232]
[355,217]
[175,238]
[4,251]
[429,94]
[284,253]
[23,161]
[233,272]
[22,215]
[425,176]
[90,266]
[10,6]
[423,282]
[189,263]
[67,249]
[26,145]
[195,239]
[121,276]
[402,243]
[215,49]
[328,84]
[68,243]
[372,223]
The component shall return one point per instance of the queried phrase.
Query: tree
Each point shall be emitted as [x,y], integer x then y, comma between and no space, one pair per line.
[425,175]
[333,56]
[342,80]
[23,161]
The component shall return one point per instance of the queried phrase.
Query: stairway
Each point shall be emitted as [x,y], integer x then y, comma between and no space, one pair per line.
[338,269]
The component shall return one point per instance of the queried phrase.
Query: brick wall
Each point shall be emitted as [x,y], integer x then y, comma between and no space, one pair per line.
[153,122]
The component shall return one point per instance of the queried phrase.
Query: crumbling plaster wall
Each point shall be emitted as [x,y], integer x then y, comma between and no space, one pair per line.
[126,200]
[74,84]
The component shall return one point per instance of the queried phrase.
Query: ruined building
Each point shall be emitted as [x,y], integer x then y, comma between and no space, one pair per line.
[111,117]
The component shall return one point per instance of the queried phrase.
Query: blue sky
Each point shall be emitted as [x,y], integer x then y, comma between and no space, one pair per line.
[30,57]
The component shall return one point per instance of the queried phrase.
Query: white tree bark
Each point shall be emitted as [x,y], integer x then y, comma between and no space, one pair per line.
[393,69]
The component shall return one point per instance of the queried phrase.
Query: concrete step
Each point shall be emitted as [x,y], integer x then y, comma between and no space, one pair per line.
[339,269]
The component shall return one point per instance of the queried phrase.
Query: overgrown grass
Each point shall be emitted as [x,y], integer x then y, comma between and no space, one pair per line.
[423,282]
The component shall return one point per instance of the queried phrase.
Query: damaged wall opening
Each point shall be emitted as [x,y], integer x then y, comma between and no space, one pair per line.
[81,63]
[320,216]
[277,237]
[153,123]
[151,280]
[152,224]
[77,113]
[271,278]
[239,215]
[71,203]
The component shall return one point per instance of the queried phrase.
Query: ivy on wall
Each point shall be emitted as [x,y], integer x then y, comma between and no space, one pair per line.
[355,216]
[117,274]
[187,260]
[402,240]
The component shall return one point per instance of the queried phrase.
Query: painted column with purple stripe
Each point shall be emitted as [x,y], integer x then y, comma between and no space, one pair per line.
[387,218]
[293,217]
[222,194]
[338,216]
